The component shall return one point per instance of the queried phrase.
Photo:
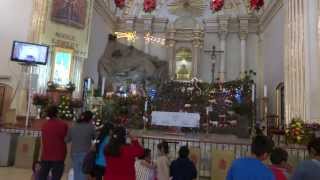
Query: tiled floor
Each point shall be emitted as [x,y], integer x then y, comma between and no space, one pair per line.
[16,174]
[23,174]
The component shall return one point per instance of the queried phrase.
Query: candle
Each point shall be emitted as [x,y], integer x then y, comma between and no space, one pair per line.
[103,86]
[146,106]
[253,93]
[89,83]
[265,93]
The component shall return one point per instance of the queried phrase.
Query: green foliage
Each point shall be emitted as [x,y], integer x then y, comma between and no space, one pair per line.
[65,109]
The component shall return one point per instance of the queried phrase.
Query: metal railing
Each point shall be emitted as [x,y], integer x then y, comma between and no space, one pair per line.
[204,148]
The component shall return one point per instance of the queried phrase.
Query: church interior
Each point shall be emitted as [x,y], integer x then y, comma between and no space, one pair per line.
[207,73]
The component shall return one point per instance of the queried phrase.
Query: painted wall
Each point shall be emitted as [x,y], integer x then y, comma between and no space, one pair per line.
[273,56]
[100,30]
[15,24]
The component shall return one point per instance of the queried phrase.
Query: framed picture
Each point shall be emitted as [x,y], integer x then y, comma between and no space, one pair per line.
[70,12]
[62,66]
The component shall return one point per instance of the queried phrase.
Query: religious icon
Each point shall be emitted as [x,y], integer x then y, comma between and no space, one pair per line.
[62,66]
[69,12]
[183,64]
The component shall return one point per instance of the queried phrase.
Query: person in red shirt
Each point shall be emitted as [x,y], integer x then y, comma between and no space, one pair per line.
[279,158]
[54,149]
[120,156]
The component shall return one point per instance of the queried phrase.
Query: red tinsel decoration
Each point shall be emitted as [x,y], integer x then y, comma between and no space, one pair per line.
[120,3]
[256,4]
[149,5]
[216,5]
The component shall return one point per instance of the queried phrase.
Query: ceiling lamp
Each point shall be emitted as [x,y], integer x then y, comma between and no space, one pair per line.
[120,3]
[149,5]
[256,4]
[216,5]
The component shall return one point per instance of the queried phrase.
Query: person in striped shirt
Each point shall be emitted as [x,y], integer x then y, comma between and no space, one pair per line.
[145,170]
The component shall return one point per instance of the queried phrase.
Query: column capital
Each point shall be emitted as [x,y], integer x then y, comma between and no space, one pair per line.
[147,23]
[243,35]
[223,35]
[171,43]
[130,23]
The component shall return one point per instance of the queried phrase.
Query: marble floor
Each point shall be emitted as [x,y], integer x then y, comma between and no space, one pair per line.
[9,173]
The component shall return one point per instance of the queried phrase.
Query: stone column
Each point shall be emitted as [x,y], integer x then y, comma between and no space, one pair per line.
[295,62]
[223,33]
[147,27]
[243,34]
[222,37]
[171,51]
[196,46]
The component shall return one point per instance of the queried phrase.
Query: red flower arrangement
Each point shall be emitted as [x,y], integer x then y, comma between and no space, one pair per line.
[216,5]
[120,3]
[256,4]
[149,5]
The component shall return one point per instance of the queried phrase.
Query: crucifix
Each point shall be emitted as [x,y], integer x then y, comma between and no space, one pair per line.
[214,54]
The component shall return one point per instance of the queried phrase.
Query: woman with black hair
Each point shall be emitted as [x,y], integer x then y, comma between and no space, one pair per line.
[80,135]
[121,156]
[162,162]
[102,142]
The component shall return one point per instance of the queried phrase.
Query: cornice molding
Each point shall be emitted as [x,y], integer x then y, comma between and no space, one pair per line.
[105,13]
[270,12]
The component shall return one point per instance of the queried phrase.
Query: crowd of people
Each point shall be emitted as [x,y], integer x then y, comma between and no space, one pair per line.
[116,154]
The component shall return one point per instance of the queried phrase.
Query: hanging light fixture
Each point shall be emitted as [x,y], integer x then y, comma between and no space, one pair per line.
[216,5]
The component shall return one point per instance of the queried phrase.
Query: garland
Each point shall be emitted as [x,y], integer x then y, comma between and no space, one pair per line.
[256,4]
[120,3]
[149,5]
[216,5]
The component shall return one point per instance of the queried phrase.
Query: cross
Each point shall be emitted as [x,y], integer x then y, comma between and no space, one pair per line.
[214,54]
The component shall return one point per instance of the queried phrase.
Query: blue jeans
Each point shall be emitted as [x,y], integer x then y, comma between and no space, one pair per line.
[77,162]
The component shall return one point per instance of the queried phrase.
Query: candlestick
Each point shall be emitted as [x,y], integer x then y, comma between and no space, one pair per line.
[253,93]
[103,86]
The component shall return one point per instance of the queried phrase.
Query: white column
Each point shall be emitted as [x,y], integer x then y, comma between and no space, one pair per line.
[243,43]
[171,48]
[147,22]
[196,45]
[223,32]
[147,46]
[243,34]
[296,77]
[312,66]
[223,44]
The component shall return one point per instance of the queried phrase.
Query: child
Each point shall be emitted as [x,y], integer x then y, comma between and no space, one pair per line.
[162,162]
[36,166]
[144,167]
[183,168]
[279,158]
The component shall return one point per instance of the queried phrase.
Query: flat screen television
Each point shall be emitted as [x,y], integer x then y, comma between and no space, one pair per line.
[29,53]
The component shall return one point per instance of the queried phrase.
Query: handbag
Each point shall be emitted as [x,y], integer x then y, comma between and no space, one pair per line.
[89,162]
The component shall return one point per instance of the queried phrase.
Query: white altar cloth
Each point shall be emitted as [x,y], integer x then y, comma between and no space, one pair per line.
[175,119]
